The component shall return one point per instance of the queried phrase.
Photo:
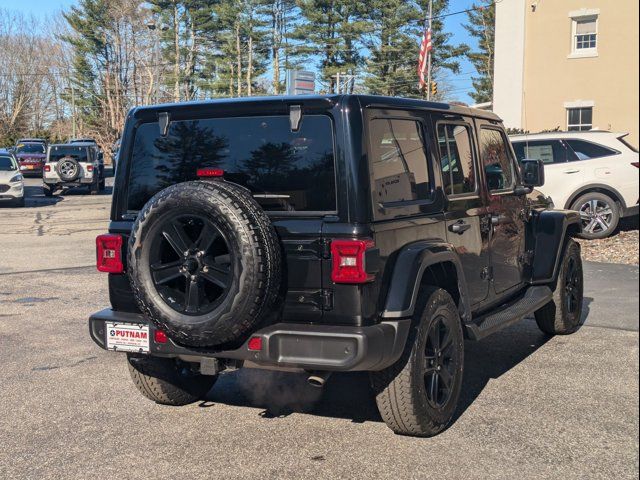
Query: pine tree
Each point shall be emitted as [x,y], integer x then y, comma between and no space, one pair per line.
[481,26]
[333,32]
[397,27]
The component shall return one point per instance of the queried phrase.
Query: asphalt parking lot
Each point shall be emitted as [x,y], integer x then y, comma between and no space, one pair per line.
[532,407]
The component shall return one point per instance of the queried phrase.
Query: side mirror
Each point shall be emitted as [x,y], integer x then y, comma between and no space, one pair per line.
[532,172]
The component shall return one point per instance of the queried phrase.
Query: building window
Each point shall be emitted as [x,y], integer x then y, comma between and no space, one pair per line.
[585,35]
[579,119]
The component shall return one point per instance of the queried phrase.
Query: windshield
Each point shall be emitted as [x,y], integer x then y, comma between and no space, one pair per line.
[285,170]
[7,164]
[30,148]
[58,152]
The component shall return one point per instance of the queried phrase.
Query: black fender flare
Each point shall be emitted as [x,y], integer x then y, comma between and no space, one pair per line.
[407,274]
[550,229]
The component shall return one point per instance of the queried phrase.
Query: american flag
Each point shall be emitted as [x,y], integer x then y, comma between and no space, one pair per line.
[425,47]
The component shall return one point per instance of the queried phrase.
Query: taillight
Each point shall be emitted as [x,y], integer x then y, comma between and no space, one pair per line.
[210,172]
[109,253]
[47,168]
[348,261]
[89,168]
[160,336]
[636,164]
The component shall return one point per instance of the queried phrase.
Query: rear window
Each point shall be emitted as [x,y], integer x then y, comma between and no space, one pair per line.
[30,148]
[284,170]
[59,152]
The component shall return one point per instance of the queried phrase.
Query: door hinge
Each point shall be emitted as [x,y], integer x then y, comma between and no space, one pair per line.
[486,273]
[485,224]
[325,248]
[525,214]
[526,258]
[327,299]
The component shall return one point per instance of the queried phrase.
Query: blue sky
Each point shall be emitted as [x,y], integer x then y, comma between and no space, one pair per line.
[461,83]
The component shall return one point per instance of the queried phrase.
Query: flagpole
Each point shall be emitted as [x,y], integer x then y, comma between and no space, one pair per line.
[429,53]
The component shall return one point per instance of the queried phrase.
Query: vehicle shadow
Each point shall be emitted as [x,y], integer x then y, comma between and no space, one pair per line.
[349,395]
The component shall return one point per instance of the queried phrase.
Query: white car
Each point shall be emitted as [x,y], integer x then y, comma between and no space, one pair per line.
[11,181]
[595,173]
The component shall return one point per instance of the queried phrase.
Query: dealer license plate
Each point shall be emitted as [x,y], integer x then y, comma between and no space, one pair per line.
[127,337]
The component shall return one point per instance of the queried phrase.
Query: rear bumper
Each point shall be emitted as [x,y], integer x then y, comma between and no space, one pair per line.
[630,211]
[311,347]
[35,171]
[75,183]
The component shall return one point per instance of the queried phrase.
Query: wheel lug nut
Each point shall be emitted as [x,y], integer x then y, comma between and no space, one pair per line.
[205,269]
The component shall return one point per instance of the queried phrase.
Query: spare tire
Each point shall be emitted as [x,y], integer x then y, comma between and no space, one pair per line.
[204,263]
[68,169]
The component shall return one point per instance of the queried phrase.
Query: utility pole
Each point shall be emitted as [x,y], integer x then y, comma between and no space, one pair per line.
[338,82]
[429,53]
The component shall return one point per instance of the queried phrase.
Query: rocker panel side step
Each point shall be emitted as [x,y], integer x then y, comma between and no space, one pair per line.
[510,313]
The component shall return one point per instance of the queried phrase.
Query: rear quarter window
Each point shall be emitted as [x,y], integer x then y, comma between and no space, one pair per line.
[285,171]
[587,150]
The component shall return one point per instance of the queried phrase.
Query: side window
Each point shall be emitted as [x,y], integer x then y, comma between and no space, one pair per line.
[456,158]
[549,151]
[496,160]
[586,150]
[398,161]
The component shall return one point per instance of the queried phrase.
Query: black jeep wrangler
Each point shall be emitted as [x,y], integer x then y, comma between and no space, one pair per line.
[327,233]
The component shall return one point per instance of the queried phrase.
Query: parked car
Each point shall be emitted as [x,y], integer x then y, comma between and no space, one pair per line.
[595,173]
[31,140]
[327,233]
[31,157]
[11,181]
[73,165]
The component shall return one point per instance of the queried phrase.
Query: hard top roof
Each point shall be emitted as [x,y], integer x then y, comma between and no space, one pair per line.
[73,145]
[330,100]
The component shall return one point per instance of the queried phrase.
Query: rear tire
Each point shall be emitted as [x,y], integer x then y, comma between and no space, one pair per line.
[48,191]
[166,381]
[562,316]
[600,215]
[410,399]
[94,188]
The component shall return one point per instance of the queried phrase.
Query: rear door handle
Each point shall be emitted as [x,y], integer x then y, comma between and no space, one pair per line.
[459,227]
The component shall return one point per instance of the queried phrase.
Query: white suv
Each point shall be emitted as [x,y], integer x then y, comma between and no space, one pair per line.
[11,181]
[73,165]
[593,172]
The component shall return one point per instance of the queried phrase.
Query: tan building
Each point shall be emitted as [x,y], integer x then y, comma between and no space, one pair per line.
[571,64]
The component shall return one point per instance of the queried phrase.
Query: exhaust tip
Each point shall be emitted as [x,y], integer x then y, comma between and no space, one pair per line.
[318,380]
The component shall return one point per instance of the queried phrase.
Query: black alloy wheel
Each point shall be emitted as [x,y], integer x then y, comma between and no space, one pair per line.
[191,263]
[573,287]
[440,364]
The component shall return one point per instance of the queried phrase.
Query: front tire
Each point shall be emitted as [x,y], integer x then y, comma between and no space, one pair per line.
[166,381]
[562,315]
[600,215]
[418,395]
